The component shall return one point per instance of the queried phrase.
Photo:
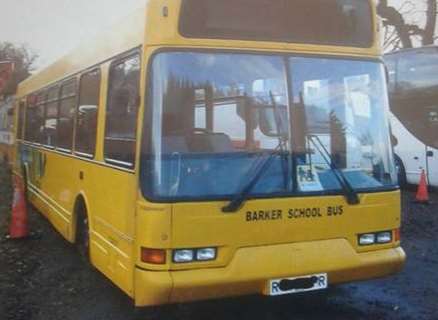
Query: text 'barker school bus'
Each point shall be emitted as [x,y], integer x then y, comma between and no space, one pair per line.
[205,149]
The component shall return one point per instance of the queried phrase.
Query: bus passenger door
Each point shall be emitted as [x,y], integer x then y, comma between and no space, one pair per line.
[116,193]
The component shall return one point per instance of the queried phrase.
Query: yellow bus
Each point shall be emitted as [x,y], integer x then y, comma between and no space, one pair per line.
[205,149]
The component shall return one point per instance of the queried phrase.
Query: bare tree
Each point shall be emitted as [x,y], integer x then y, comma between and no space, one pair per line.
[403,28]
[23,59]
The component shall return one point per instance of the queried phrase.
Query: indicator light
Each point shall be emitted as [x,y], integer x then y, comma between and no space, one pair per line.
[153,256]
[397,237]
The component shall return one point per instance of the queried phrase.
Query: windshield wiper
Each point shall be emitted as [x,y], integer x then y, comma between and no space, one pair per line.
[237,202]
[349,192]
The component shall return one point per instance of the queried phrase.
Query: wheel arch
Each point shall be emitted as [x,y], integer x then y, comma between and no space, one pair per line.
[81,206]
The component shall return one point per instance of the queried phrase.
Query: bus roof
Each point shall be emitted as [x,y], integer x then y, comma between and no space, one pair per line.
[157,24]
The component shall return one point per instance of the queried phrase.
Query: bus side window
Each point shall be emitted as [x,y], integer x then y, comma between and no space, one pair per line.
[29,115]
[34,117]
[122,109]
[66,112]
[86,113]
[39,117]
[20,124]
[51,118]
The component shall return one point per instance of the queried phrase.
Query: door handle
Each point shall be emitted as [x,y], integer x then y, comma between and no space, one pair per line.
[429,154]
[416,158]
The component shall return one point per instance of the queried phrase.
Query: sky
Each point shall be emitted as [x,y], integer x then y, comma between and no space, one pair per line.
[51,28]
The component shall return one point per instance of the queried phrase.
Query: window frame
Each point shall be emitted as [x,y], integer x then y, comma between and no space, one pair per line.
[136,53]
[61,85]
[20,119]
[85,155]
[40,104]
[31,104]
[56,86]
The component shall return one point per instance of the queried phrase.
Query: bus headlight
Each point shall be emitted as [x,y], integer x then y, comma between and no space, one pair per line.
[194,255]
[182,256]
[384,237]
[206,254]
[367,239]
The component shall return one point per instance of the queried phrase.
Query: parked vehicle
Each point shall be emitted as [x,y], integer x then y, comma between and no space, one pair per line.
[413,91]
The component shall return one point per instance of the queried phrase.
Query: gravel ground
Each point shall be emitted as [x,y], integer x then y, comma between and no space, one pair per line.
[44,278]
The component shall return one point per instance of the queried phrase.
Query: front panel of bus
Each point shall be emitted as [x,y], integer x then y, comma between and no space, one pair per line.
[269,162]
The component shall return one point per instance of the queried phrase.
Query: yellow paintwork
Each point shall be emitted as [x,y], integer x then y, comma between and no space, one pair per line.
[250,269]
[122,221]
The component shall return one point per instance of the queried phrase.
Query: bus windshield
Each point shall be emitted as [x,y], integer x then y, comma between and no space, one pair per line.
[216,117]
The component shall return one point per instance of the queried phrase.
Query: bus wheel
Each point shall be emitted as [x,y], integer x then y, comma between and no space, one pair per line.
[401,172]
[83,232]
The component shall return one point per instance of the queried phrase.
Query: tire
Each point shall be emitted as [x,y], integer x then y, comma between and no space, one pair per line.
[401,172]
[83,233]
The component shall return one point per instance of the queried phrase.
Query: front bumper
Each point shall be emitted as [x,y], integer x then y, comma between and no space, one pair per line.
[252,268]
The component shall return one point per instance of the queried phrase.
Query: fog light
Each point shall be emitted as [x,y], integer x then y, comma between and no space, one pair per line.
[181,256]
[367,239]
[384,237]
[206,254]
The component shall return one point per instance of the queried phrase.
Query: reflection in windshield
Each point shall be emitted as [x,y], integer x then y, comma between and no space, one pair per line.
[213,115]
[344,107]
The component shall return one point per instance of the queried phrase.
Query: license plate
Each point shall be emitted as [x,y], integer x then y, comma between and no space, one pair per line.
[299,284]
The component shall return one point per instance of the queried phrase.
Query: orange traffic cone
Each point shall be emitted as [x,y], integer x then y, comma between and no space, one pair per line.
[422,193]
[18,228]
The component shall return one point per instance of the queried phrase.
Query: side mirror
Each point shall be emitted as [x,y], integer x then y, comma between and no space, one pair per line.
[271,124]
[267,122]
